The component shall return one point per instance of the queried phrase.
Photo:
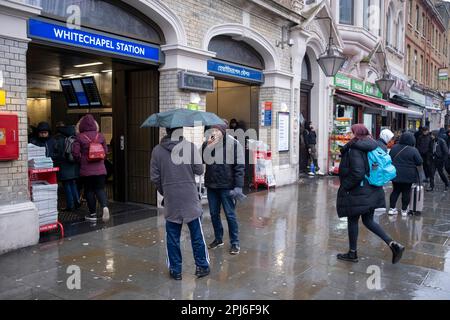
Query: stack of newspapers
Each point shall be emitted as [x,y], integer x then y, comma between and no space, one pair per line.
[37,158]
[45,198]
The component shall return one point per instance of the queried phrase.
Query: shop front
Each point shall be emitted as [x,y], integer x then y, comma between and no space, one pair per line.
[359,102]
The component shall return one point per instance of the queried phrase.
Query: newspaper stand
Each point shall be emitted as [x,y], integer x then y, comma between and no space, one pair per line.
[48,175]
[260,176]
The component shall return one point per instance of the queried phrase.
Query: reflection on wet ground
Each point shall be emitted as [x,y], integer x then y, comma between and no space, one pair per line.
[289,241]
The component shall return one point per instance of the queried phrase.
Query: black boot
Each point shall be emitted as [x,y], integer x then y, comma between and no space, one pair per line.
[351,256]
[397,251]
[202,272]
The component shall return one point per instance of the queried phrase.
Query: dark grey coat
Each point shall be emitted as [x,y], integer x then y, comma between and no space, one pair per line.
[356,196]
[406,158]
[176,182]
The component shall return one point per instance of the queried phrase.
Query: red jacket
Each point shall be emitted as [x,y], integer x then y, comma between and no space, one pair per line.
[88,129]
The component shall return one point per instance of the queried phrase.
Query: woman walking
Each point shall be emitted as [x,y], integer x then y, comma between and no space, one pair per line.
[406,158]
[92,165]
[356,198]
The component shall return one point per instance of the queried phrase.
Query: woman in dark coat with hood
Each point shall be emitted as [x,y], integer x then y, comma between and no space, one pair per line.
[406,158]
[356,198]
[93,173]
[69,169]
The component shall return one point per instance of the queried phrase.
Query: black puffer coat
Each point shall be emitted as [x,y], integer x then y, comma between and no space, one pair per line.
[406,158]
[226,171]
[424,144]
[355,196]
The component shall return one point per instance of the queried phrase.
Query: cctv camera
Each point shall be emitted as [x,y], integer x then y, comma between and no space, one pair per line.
[291,42]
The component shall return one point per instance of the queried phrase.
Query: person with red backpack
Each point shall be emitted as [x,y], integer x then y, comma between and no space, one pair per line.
[90,150]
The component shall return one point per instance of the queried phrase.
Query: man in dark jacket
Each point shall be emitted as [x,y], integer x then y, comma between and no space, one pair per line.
[356,197]
[43,138]
[439,154]
[69,169]
[423,144]
[406,158]
[175,181]
[310,138]
[224,180]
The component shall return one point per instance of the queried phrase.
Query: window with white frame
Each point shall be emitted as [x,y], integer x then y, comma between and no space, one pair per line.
[346,11]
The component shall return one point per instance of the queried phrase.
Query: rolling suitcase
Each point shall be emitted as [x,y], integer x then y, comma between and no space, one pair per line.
[417,197]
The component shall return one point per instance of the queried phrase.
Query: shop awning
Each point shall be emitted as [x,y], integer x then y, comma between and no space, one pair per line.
[386,105]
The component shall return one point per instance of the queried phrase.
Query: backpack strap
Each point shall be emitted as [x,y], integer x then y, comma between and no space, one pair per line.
[400,152]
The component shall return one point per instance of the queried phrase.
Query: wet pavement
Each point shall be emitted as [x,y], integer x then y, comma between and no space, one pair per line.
[289,240]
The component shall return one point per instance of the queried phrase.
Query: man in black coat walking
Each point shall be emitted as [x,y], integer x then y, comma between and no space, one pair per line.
[423,144]
[439,154]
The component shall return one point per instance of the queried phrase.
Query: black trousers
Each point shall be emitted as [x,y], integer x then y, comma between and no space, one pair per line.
[369,223]
[427,162]
[439,166]
[405,190]
[94,189]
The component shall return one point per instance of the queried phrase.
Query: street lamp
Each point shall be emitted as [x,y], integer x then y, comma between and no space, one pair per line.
[331,61]
[385,83]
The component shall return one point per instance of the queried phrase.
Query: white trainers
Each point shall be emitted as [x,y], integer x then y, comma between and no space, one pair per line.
[392,212]
[404,213]
[320,173]
[106,214]
[311,174]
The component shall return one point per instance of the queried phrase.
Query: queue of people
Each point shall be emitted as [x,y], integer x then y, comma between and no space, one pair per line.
[79,152]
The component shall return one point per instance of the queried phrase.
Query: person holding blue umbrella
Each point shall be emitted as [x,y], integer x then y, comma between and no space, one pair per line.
[173,172]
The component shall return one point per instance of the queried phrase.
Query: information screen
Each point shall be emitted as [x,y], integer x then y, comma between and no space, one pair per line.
[81,93]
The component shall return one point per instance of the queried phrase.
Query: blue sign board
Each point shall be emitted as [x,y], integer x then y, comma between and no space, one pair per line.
[93,40]
[235,71]
[268,118]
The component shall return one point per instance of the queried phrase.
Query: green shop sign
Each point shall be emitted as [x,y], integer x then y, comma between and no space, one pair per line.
[342,81]
[372,90]
[357,86]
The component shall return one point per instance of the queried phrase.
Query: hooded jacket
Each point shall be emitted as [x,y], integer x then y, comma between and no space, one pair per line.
[406,158]
[67,170]
[176,181]
[89,129]
[439,147]
[48,143]
[356,196]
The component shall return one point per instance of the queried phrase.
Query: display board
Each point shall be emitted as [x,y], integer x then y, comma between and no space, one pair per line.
[283,131]
[81,93]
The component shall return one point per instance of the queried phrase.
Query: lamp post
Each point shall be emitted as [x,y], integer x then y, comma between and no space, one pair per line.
[331,61]
[385,83]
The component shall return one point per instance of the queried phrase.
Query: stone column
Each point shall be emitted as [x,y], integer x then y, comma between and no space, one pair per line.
[19,222]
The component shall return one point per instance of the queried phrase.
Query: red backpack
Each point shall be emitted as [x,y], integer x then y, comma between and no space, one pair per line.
[96,150]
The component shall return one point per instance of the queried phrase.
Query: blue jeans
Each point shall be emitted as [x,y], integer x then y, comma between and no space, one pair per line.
[216,198]
[173,232]
[71,191]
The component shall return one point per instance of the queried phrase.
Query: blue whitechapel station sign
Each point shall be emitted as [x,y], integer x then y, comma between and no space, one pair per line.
[93,40]
[235,71]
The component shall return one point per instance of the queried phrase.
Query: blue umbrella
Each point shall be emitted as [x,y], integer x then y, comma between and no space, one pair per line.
[179,118]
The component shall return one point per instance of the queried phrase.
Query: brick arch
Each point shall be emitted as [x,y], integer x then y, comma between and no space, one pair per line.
[251,37]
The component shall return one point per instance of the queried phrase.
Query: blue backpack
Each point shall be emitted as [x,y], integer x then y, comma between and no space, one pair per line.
[381,168]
